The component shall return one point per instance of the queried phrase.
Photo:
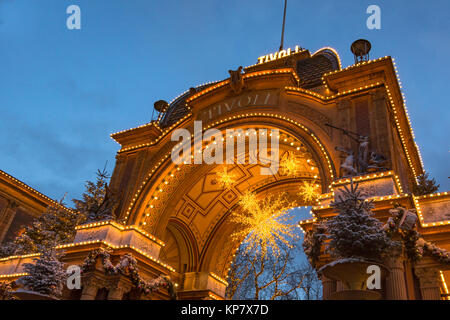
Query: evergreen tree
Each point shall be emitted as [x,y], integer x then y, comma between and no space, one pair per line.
[354,233]
[46,275]
[425,185]
[98,201]
[55,226]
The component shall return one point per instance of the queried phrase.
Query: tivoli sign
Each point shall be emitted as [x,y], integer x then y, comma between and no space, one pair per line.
[278,55]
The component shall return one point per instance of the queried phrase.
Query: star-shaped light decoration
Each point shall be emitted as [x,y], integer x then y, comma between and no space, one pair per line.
[264,223]
[289,165]
[309,192]
[225,179]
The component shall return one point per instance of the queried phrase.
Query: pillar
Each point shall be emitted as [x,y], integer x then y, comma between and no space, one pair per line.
[328,286]
[118,285]
[339,286]
[89,292]
[429,283]
[395,281]
[116,293]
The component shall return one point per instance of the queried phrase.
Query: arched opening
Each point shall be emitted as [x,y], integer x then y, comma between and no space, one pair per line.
[187,207]
[285,274]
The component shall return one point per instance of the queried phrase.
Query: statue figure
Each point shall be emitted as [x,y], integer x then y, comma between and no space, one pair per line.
[236,80]
[376,161]
[366,160]
[347,166]
[363,153]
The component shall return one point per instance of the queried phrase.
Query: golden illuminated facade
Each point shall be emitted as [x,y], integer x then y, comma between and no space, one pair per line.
[175,218]
[19,205]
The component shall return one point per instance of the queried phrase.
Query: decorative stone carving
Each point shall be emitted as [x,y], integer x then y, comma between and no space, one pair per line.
[380,187]
[248,99]
[348,165]
[429,283]
[363,153]
[367,161]
[91,283]
[435,211]
[236,80]
[118,286]
[89,292]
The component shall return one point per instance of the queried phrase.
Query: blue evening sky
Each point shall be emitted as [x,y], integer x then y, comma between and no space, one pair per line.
[63,92]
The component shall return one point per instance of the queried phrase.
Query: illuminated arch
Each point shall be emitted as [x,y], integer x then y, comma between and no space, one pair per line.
[165,163]
[167,225]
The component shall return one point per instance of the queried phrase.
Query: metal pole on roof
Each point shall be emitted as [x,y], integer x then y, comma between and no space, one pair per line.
[284,22]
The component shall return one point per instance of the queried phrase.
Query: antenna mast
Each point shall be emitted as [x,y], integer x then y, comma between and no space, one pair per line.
[284,22]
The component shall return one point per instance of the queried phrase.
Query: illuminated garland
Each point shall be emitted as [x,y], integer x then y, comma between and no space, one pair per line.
[415,246]
[312,242]
[127,266]
[440,254]
[408,237]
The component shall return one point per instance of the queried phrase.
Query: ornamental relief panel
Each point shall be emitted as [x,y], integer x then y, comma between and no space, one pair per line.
[263,98]
[373,188]
[435,211]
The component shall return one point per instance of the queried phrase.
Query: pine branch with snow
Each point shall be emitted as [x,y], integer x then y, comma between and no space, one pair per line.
[354,233]
[46,275]
[425,185]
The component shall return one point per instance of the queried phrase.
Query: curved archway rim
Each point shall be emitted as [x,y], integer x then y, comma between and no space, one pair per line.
[137,199]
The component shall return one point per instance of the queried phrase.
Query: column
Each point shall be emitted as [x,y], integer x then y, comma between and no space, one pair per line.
[429,283]
[89,292]
[395,282]
[116,293]
[339,286]
[328,286]
[117,286]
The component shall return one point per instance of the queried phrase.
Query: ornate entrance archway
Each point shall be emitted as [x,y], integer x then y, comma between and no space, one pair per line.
[304,97]
[337,125]
[188,200]
[183,204]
